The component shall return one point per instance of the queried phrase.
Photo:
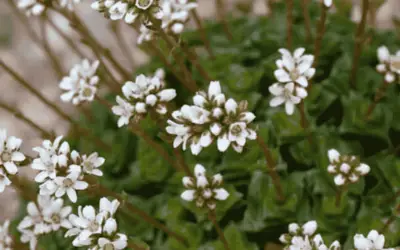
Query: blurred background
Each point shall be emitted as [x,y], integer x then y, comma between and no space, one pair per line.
[19,51]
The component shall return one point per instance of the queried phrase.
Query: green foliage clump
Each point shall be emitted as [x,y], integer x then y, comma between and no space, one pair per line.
[335,111]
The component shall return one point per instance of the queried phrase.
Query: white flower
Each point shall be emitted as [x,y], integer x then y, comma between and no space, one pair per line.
[31,7]
[295,68]
[10,154]
[144,95]
[80,85]
[56,215]
[28,236]
[374,241]
[175,13]
[118,10]
[284,95]
[5,238]
[389,65]
[118,243]
[212,118]
[86,224]
[145,35]
[34,221]
[97,230]
[305,238]
[91,164]
[69,185]
[202,190]
[124,110]
[346,169]
[108,207]
[144,4]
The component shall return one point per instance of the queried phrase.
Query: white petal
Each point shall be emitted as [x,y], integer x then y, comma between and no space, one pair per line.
[302,80]
[301,92]
[299,52]
[221,194]
[10,167]
[333,155]
[231,106]
[276,89]
[188,195]
[289,107]
[363,169]
[310,227]
[282,76]
[339,180]
[383,54]
[199,170]
[276,101]
[214,89]
[17,156]
[223,143]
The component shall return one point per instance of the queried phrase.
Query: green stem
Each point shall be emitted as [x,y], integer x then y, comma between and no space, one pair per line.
[212,216]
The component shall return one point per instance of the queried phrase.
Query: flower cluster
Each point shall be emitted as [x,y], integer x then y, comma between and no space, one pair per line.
[175,13]
[5,238]
[44,216]
[346,169]
[374,241]
[203,190]
[80,85]
[389,65]
[211,118]
[146,94]
[35,7]
[97,230]
[62,171]
[305,238]
[10,157]
[292,74]
[128,10]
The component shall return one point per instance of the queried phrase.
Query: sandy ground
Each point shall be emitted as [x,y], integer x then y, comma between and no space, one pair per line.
[27,59]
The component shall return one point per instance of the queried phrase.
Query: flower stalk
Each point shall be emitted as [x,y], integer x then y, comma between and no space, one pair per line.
[359,40]
[380,93]
[203,33]
[320,34]
[220,7]
[307,20]
[18,114]
[271,169]
[289,23]
[116,30]
[213,218]
[391,219]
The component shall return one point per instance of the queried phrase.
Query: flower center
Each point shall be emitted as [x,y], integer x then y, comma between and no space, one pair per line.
[109,246]
[87,92]
[6,156]
[67,182]
[88,166]
[56,218]
[93,226]
[236,129]
[294,74]
[143,4]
